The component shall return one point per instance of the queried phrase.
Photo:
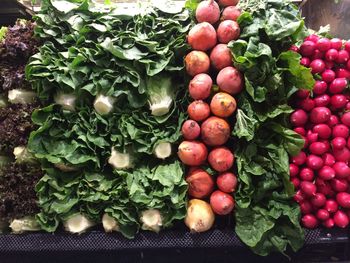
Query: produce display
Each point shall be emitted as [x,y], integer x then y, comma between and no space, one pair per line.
[143,118]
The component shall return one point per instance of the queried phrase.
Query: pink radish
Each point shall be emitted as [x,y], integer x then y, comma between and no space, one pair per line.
[337,85]
[332,54]
[308,188]
[343,57]
[333,120]
[329,223]
[328,75]
[336,43]
[318,148]
[340,130]
[322,100]
[320,87]
[305,207]
[320,115]
[331,206]
[307,48]
[318,200]
[322,214]
[326,173]
[309,221]
[293,170]
[314,38]
[339,185]
[323,44]
[328,159]
[317,66]
[299,196]
[306,174]
[314,162]
[341,219]
[345,119]
[338,143]
[343,199]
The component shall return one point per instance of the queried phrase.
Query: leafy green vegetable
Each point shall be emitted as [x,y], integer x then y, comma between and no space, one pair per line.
[266,218]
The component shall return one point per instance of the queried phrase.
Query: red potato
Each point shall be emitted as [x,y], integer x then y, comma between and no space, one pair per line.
[202,37]
[230,80]
[197,62]
[208,11]
[198,110]
[221,159]
[228,30]
[200,86]
[231,13]
[190,130]
[223,105]
[215,131]
[221,57]
[227,182]
[228,2]
[221,203]
[200,183]
[192,153]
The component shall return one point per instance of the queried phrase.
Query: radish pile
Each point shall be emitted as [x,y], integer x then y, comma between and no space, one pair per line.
[208,129]
[321,172]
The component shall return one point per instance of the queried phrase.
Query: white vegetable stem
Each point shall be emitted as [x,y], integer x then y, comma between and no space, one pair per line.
[120,160]
[161,108]
[21,96]
[151,219]
[22,155]
[162,150]
[109,223]
[78,223]
[103,104]
[67,101]
[24,224]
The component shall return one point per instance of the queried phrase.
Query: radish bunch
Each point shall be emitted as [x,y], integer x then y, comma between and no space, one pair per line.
[208,129]
[321,172]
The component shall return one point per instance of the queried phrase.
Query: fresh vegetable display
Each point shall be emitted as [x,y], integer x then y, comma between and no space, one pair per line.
[213,114]
[207,131]
[320,172]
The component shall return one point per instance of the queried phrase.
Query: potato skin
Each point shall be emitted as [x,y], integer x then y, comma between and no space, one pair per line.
[215,131]
[200,183]
[198,110]
[221,203]
[192,153]
[230,80]
[223,105]
[200,86]
[197,62]
[190,130]
[221,159]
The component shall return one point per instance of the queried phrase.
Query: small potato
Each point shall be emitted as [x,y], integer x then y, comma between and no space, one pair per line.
[221,159]
[198,110]
[192,153]
[215,131]
[190,130]
[197,62]
[221,203]
[223,105]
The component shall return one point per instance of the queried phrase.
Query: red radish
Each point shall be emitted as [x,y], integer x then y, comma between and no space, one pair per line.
[303,93]
[348,143]
[343,57]
[221,57]
[331,206]
[221,203]
[200,184]
[323,44]
[332,54]
[221,159]
[327,144]
[198,110]
[323,131]
[322,100]
[329,64]
[317,66]
[308,188]
[293,170]
[307,48]
[347,46]
[339,185]
[320,87]
[328,75]
[305,207]
[231,13]
[228,30]
[230,80]
[215,131]
[338,101]
[307,104]
[348,65]
[309,221]
[340,130]
[228,2]
[333,120]
[299,159]
[329,223]
[337,85]
[299,197]
[294,48]
[311,137]
[319,115]
[342,170]
[318,55]
[341,219]
[326,173]
[328,159]
[314,38]
[200,86]
[190,130]
[322,214]
[325,189]
[343,199]
[338,143]
[342,155]
[298,118]
[318,200]
[336,43]
[192,153]
[208,11]
[227,182]
[305,61]
[314,162]
[197,62]
[342,73]
[202,37]
[300,130]
[296,182]
[306,174]
[318,148]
